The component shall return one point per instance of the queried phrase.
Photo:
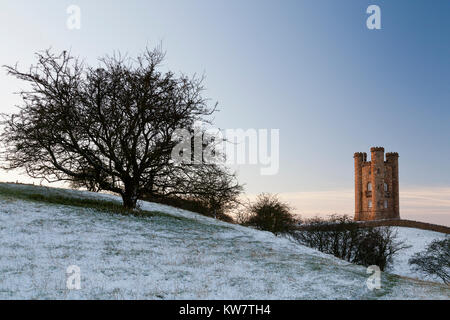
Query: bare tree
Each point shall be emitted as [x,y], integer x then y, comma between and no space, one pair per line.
[378,246]
[111,128]
[435,260]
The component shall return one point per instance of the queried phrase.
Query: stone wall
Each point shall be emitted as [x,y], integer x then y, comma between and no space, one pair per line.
[407,224]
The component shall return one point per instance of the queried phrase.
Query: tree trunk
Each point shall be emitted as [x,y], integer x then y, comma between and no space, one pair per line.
[130,197]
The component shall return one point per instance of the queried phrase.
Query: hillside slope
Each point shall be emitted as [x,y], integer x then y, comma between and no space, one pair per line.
[418,240]
[175,255]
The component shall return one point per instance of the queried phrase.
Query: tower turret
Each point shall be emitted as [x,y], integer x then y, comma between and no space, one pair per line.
[392,160]
[359,160]
[377,170]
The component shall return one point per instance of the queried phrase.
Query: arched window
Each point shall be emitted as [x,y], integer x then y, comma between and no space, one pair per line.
[386,187]
[369,186]
[370,203]
[385,204]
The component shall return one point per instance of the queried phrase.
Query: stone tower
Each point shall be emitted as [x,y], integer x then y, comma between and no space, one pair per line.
[376,186]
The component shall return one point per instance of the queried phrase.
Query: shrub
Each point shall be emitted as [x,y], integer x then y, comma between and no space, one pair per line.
[269,213]
[337,236]
[345,239]
[435,260]
[377,246]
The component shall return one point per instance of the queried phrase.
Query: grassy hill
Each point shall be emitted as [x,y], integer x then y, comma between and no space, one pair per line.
[164,253]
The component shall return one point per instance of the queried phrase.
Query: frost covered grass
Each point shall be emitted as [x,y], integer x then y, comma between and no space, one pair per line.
[174,255]
[63,197]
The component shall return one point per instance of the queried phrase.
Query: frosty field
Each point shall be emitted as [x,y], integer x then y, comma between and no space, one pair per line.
[173,254]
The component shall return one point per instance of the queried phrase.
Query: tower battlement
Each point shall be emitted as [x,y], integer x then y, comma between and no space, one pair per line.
[392,154]
[376,185]
[377,149]
[360,156]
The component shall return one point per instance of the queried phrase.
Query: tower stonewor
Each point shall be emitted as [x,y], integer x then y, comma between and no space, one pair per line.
[376,186]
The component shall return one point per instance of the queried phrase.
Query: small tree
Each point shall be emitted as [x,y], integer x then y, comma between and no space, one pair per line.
[435,260]
[377,246]
[271,214]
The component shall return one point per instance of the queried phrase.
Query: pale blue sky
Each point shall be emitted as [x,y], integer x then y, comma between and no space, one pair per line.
[310,68]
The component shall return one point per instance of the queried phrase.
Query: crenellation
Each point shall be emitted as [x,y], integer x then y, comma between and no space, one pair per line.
[377,149]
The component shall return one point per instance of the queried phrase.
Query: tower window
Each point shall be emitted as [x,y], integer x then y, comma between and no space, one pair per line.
[370,203]
[386,187]
[385,204]
[369,186]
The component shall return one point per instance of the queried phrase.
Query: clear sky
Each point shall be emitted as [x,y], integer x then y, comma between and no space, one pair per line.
[310,68]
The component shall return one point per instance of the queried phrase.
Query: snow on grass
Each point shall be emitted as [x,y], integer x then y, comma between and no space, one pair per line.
[176,255]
